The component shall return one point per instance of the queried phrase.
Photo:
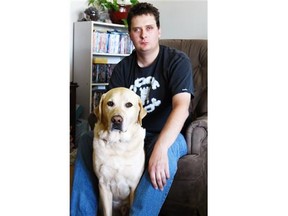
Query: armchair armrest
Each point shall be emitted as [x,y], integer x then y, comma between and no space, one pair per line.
[196,136]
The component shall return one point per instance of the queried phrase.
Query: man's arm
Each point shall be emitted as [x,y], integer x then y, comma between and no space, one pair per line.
[158,167]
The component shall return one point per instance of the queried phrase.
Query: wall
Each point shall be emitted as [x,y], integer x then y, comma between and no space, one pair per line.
[182,19]
[179,19]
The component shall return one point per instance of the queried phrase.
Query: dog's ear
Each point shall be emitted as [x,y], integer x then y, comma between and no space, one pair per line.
[98,109]
[142,112]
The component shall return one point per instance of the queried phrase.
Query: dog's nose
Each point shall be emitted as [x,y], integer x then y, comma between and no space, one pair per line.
[117,119]
[117,122]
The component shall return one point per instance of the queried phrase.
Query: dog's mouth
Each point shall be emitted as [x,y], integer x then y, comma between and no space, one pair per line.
[117,123]
[116,126]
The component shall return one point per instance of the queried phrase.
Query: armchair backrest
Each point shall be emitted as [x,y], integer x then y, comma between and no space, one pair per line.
[197,52]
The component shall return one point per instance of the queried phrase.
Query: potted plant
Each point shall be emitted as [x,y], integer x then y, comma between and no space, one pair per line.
[117,9]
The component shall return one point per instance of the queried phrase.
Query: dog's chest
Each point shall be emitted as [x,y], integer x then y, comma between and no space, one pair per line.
[119,160]
[115,163]
[117,175]
[117,167]
[115,180]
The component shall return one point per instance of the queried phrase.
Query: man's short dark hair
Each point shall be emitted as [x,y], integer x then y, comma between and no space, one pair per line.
[140,9]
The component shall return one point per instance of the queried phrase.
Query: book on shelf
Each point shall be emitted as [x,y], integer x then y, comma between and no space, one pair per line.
[97,92]
[101,73]
[101,42]
[110,68]
[112,42]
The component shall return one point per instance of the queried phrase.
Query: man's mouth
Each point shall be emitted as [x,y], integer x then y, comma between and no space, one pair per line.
[144,43]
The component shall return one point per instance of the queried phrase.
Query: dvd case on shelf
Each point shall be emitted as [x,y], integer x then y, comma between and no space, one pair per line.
[97,92]
[112,42]
[101,73]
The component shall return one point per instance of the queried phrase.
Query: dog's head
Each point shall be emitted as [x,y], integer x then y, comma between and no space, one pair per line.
[119,108]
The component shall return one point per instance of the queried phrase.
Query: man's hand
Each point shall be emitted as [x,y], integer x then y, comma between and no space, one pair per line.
[158,167]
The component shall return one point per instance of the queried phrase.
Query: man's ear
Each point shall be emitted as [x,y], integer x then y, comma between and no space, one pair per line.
[142,112]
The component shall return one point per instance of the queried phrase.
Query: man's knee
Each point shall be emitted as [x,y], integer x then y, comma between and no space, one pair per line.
[86,140]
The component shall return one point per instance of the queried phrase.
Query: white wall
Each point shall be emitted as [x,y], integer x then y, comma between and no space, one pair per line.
[179,19]
[182,19]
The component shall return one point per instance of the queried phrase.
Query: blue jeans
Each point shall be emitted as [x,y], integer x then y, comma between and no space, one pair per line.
[147,201]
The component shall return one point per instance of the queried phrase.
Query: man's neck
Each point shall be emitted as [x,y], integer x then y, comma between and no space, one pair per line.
[144,59]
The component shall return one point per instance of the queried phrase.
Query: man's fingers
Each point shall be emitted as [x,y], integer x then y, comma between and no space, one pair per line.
[159,180]
[167,173]
[153,180]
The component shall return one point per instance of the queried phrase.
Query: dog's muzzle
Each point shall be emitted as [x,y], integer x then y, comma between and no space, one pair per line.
[117,122]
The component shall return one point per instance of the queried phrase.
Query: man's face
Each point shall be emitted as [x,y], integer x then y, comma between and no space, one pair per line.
[144,33]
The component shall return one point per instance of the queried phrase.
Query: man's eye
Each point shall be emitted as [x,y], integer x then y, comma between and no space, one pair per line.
[128,104]
[110,103]
[137,30]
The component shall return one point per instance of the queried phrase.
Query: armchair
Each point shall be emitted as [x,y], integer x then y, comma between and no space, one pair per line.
[188,194]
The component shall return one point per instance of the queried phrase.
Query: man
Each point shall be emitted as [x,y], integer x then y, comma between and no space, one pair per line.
[162,77]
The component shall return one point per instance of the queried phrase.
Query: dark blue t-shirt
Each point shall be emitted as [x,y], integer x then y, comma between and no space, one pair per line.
[169,74]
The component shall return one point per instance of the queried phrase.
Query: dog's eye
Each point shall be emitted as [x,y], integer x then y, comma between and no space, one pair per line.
[110,103]
[128,104]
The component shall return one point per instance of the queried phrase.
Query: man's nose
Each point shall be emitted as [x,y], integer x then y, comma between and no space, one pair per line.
[143,33]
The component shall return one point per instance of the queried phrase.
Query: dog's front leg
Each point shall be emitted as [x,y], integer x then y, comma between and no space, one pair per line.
[106,199]
[131,196]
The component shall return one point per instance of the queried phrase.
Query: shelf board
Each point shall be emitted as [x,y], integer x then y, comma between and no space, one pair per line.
[100,84]
[109,54]
[108,24]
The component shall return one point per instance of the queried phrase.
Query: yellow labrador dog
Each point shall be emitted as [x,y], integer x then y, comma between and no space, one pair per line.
[118,148]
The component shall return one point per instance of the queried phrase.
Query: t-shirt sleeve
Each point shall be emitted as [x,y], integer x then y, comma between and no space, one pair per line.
[181,75]
[121,73]
[117,78]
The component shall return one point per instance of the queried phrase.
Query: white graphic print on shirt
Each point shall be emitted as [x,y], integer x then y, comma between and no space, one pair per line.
[142,86]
